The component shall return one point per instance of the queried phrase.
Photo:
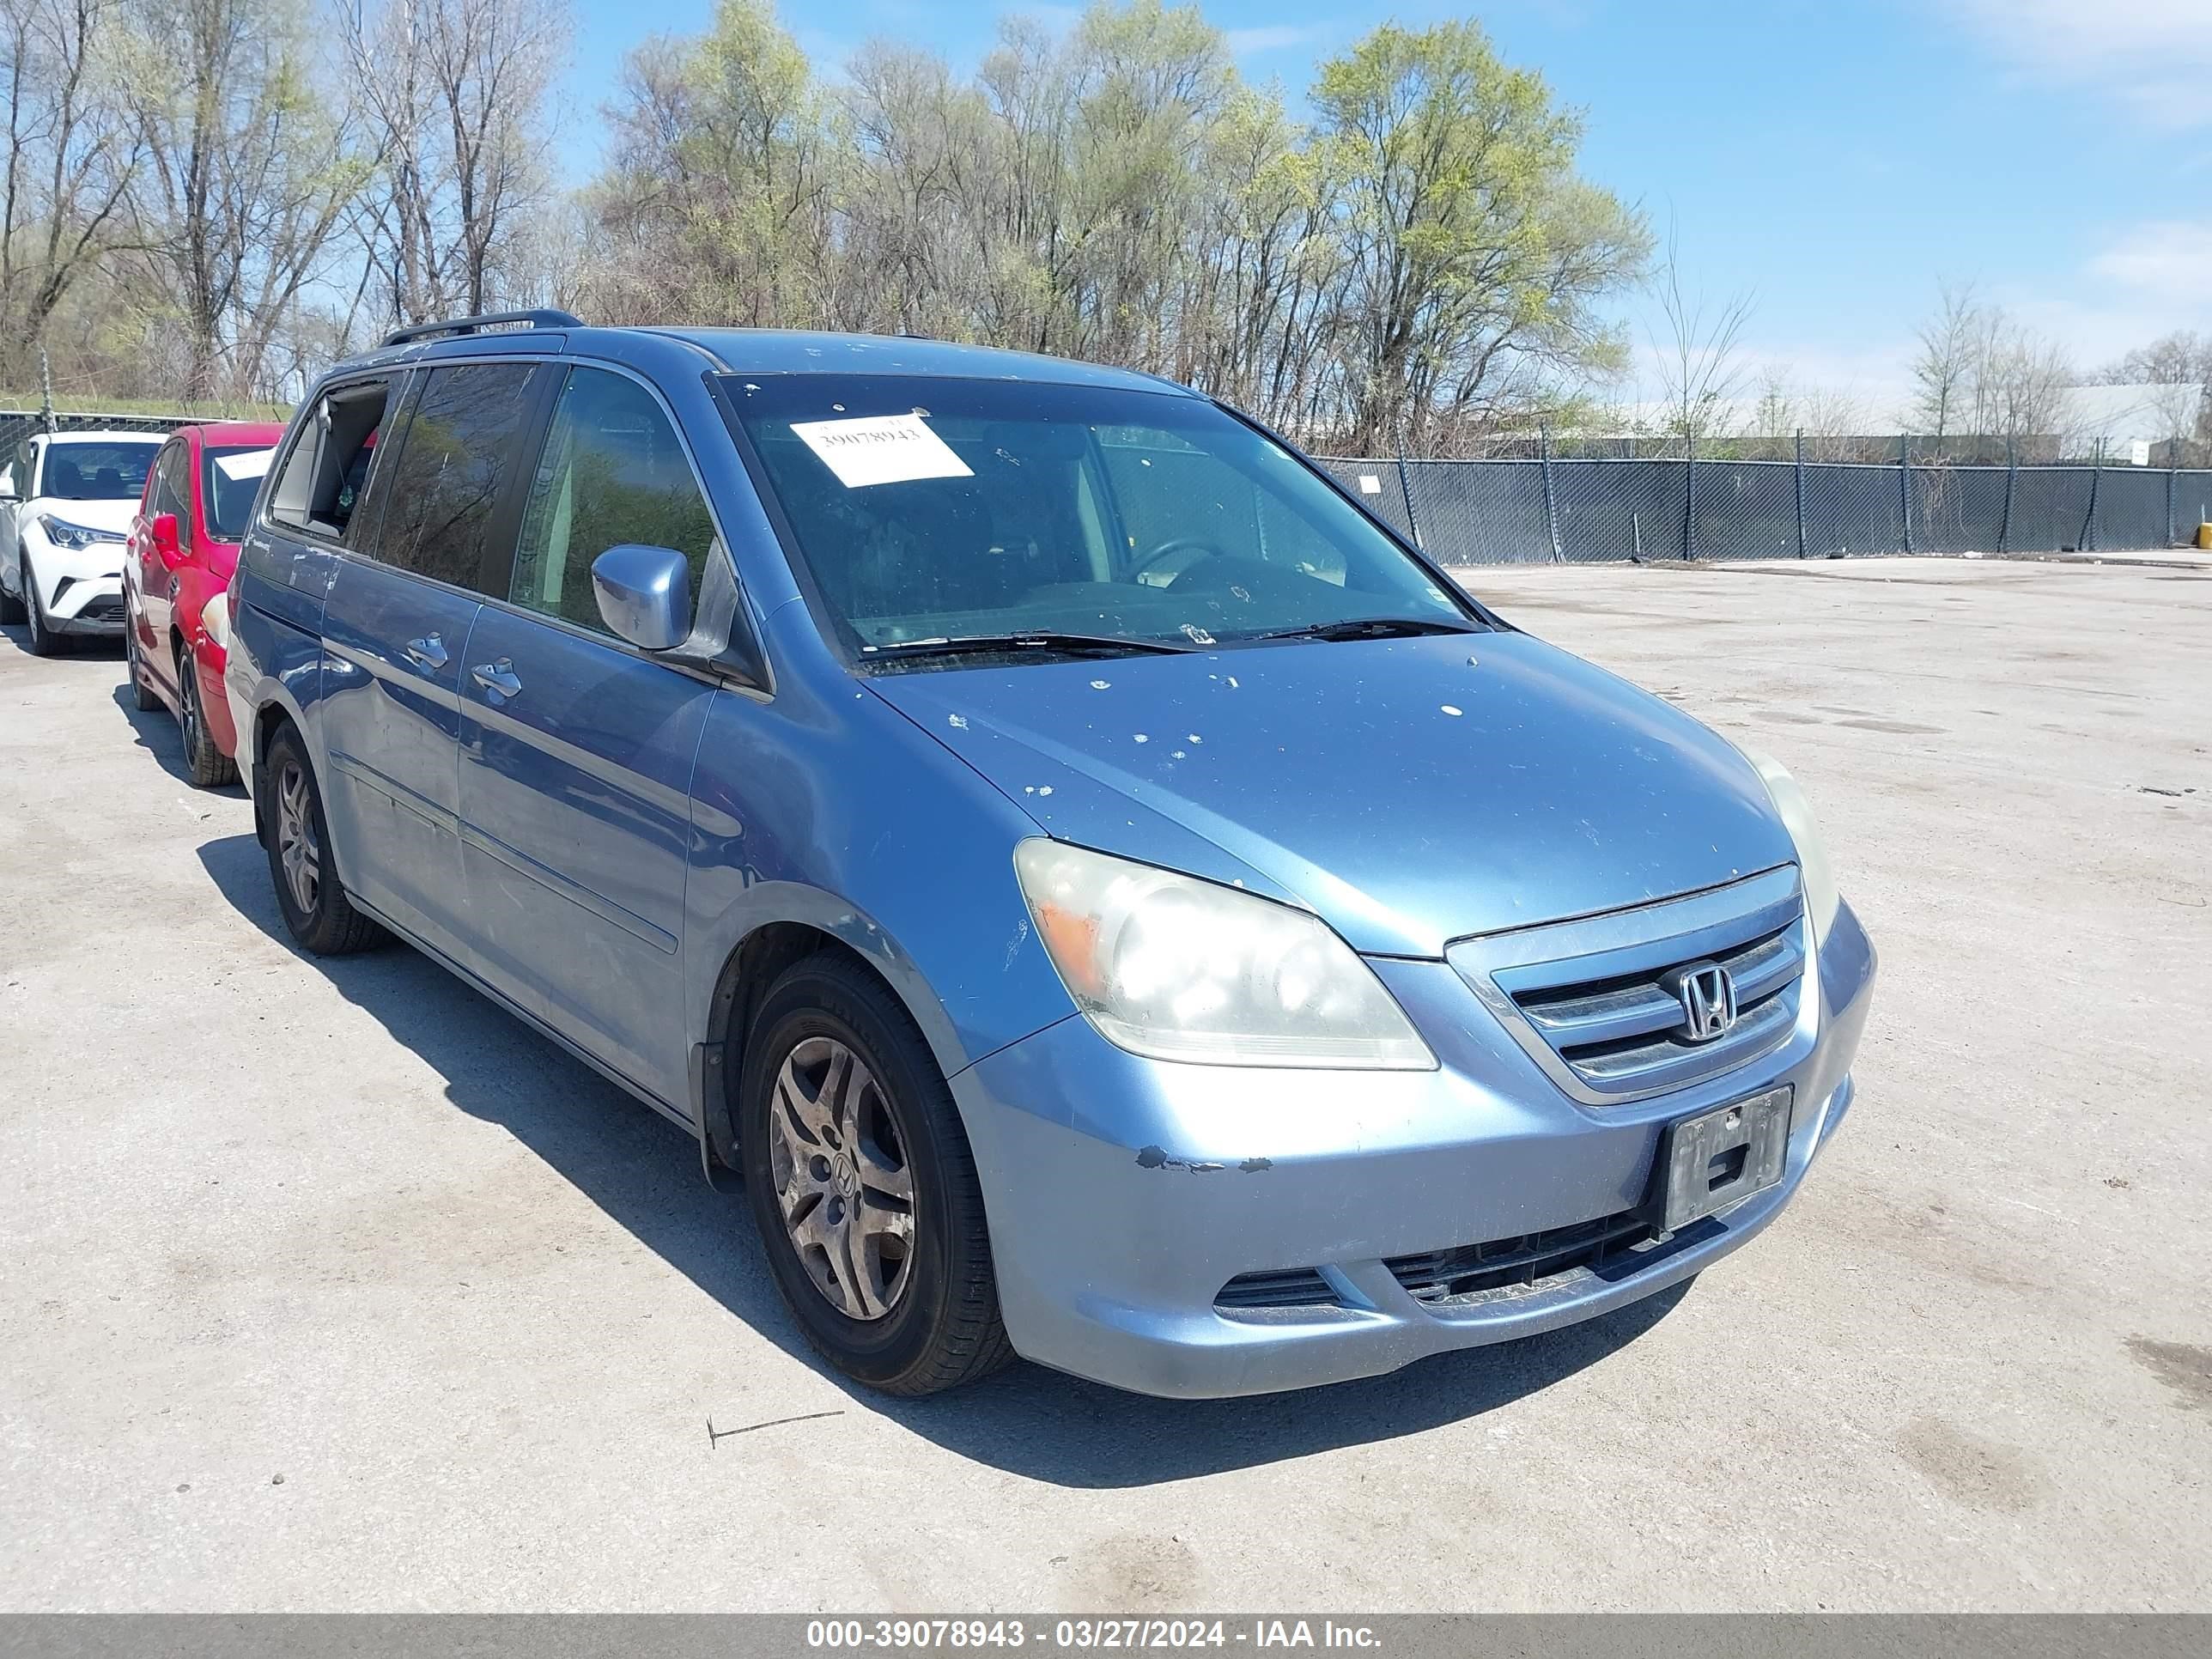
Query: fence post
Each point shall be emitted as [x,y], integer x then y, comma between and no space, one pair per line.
[2173,484]
[1689,495]
[1406,488]
[1801,492]
[1550,501]
[2086,541]
[1904,483]
[2012,481]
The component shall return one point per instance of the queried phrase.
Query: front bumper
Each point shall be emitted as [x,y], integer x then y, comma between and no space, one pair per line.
[80,589]
[1124,1194]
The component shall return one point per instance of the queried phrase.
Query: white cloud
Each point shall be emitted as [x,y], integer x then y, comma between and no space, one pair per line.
[1277,37]
[2152,56]
[2170,259]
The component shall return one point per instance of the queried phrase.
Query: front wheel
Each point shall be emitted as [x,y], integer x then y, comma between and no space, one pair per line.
[142,693]
[308,891]
[11,605]
[43,641]
[863,1186]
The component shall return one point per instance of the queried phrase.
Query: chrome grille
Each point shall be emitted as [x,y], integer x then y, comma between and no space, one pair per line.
[1595,1001]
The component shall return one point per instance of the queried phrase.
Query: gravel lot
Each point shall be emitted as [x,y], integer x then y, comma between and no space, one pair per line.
[328,1285]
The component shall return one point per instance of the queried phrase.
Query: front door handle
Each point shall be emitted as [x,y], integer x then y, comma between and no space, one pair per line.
[427,654]
[497,676]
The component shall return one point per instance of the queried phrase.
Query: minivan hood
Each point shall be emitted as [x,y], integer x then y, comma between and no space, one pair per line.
[1411,792]
[92,515]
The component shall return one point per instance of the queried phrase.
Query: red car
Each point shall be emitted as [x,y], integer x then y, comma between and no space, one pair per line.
[176,575]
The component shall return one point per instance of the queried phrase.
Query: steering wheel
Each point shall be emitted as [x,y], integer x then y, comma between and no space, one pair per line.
[1173,546]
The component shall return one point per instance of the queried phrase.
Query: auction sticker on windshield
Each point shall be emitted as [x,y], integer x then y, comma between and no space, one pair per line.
[246,464]
[878,449]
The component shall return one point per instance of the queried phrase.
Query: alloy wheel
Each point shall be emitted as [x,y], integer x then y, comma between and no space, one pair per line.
[188,708]
[838,1162]
[297,849]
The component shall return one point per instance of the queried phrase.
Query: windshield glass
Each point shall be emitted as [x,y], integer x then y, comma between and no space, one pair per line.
[98,471]
[229,478]
[927,508]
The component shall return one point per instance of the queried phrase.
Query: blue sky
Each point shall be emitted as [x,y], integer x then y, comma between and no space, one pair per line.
[1835,159]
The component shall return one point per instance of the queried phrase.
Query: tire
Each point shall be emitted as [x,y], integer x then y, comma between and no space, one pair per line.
[142,693]
[11,607]
[325,924]
[210,769]
[936,1325]
[43,641]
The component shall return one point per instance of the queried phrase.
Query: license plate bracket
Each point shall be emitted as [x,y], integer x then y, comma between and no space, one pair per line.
[1720,1157]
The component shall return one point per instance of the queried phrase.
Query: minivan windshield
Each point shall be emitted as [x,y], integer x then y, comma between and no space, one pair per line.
[933,514]
[98,471]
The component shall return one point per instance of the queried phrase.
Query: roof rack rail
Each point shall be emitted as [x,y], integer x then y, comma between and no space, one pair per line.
[543,317]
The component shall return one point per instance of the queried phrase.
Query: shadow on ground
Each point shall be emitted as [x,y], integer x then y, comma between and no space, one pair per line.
[156,730]
[644,1172]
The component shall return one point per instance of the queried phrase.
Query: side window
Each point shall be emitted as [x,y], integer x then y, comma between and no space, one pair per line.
[612,472]
[328,463]
[173,491]
[443,487]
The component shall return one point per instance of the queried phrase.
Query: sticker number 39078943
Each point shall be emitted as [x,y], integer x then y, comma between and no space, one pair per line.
[877,449]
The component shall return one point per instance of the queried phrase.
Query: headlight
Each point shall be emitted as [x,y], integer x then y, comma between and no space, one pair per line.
[1175,968]
[215,617]
[1820,894]
[62,533]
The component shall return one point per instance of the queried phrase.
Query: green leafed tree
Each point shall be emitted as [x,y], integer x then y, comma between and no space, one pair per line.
[1478,259]
[1422,261]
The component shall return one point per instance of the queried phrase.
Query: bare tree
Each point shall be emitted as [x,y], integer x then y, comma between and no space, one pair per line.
[1953,343]
[246,180]
[1701,369]
[69,162]
[452,95]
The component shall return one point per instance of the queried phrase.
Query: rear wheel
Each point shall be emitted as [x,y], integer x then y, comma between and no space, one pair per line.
[863,1186]
[210,766]
[308,891]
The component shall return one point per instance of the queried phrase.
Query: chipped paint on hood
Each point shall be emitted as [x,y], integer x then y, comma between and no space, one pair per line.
[1407,794]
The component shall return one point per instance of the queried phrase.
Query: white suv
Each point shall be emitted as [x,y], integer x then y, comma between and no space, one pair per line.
[65,508]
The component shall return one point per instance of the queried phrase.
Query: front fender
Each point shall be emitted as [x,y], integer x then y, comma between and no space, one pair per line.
[832,809]
[271,664]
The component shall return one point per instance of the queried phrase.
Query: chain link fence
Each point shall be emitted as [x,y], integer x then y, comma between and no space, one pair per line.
[1595,508]
[19,426]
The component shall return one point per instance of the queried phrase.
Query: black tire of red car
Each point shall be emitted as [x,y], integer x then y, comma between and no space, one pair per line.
[43,641]
[944,1330]
[141,693]
[330,926]
[209,768]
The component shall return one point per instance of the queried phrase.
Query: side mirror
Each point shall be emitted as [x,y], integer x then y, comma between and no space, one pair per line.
[644,594]
[163,531]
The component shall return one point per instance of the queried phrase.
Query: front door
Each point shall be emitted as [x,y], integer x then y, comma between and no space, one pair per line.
[152,578]
[576,749]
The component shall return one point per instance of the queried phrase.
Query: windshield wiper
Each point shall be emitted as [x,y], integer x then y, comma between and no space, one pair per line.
[1368,627]
[1027,640]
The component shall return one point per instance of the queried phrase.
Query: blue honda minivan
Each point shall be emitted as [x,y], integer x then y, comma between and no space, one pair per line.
[1112,900]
